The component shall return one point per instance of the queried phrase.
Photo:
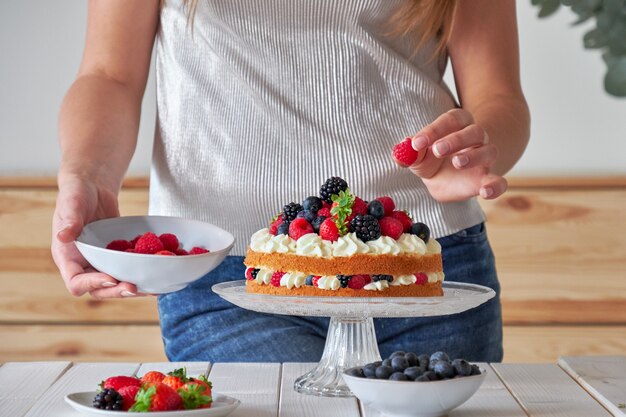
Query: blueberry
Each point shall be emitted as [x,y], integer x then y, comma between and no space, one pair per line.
[376,209]
[475,370]
[358,372]
[431,365]
[399,363]
[398,376]
[440,356]
[412,359]
[369,370]
[317,223]
[422,378]
[383,372]
[312,203]
[432,376]
[387,362]
[413,372]
[283,229]
[423,360]
[308,215]
[309,280]
[397,353]
[420,230]
[462,367]
[443,369]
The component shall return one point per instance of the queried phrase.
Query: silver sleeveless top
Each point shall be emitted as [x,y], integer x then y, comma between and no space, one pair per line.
[259,102]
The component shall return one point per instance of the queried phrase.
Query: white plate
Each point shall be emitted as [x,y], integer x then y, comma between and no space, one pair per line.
[222,406]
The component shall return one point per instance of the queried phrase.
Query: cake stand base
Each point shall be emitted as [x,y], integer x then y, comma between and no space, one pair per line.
[350,342]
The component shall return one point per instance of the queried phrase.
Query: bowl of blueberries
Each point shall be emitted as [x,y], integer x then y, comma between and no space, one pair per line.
[410,385]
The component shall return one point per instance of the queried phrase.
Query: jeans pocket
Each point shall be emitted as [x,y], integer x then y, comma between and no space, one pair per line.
[473,234]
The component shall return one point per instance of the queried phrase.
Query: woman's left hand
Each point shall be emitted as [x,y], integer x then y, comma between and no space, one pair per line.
[455,158]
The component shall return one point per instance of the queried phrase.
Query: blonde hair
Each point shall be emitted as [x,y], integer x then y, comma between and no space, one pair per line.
[422,19]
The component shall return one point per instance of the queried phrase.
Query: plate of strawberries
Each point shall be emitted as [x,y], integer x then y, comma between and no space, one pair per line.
[173,394]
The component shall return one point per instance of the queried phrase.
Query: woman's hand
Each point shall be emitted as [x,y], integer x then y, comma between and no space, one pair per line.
[455,158]
[80,202]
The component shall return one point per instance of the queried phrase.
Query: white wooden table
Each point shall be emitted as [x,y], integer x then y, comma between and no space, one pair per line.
[584,386]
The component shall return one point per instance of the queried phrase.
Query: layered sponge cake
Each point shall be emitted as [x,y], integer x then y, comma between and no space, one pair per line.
[338,244]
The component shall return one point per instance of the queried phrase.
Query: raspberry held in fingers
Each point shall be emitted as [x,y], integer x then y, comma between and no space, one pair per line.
[404,153]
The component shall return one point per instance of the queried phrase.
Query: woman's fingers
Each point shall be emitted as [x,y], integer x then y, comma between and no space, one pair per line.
[446,124]
[485,156]
[492,186]
[121,290]
[471,136]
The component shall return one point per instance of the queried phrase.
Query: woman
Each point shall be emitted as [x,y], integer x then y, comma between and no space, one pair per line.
[260,102]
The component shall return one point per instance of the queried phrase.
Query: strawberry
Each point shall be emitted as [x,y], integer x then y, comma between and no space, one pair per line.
[404,153]
[276,276]
[391,227]
[176,379]
[128,393]
[299,227]
[120,381]
[196,393]
[119,245]
[170,241]
[151,377]
[404,218]
[148,243]
[197,250]
[388,204]
[324,211]
[357,282]
[157,397]
[275,224]
[422,278]
[165,253]
[328,230]
[359,206]
[249,274]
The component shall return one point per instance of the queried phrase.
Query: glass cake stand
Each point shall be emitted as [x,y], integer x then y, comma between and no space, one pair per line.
[351,338]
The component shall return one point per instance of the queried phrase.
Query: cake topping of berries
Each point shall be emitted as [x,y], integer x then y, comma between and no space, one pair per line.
[332,186]
[366,227]
[312,203]
[421,230]
[328,230]
[376,208]
[388,204]
[404,218]
[404,153]
[341,210]
[299,227]
[391,227]
[290,211]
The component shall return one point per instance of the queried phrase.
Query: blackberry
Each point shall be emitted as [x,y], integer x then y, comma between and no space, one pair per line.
[290,211]
[331,187]
[420,230]
[312,203]
[108,399]
[253,273]
[366,227]
[377,278]
[343,280]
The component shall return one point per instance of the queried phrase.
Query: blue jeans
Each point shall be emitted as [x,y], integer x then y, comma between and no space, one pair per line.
[198,325]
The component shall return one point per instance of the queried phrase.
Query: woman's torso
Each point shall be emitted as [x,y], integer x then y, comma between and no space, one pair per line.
[260,102]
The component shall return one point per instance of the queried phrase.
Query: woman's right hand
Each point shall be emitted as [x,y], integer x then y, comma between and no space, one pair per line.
[80,202]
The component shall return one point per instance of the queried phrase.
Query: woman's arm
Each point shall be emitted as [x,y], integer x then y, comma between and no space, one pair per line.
[488,134]
[98,125]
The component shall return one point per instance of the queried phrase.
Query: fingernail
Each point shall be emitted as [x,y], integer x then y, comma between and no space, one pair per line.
[420,143]
[108,284]
[441,148]
[486,192]
[460,161]
[128,294]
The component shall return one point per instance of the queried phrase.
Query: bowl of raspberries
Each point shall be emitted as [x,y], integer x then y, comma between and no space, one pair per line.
[159,254]
[407,384]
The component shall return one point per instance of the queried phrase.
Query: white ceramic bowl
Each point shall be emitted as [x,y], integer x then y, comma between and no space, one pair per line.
[154,274]
[414,399]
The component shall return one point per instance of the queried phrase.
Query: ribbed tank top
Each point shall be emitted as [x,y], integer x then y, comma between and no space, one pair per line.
[260,101]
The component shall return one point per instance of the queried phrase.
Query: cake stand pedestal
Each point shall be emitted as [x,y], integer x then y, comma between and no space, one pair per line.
[351,339]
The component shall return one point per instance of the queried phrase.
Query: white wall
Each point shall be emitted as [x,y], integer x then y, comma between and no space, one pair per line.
[577,129]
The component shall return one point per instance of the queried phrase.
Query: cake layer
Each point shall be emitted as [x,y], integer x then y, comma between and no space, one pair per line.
[353,265]
[431,289]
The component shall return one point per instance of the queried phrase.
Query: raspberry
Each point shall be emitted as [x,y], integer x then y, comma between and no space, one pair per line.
[329,231]
[404,153]
[251,273]
[404,218]
[299,227]
[165,253]
[276,276]
[275,224]
[315,279]
[388,204]
[391,227]
[422,278]
[197,250]
[134,241]
[324,212]
[170,241]
[359,206]
[148,243]
[119,245]
[181,252]
[359,281]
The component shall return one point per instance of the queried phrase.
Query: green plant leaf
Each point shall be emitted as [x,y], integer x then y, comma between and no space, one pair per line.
[548,7]
[615,78]
[595,38]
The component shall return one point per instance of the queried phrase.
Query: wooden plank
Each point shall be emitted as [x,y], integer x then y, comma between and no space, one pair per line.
[80,378]
[604,377]
[293,403]
[81,343]
[536,344]
[23,383]
[256,385]
[546,391]
[492,399]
